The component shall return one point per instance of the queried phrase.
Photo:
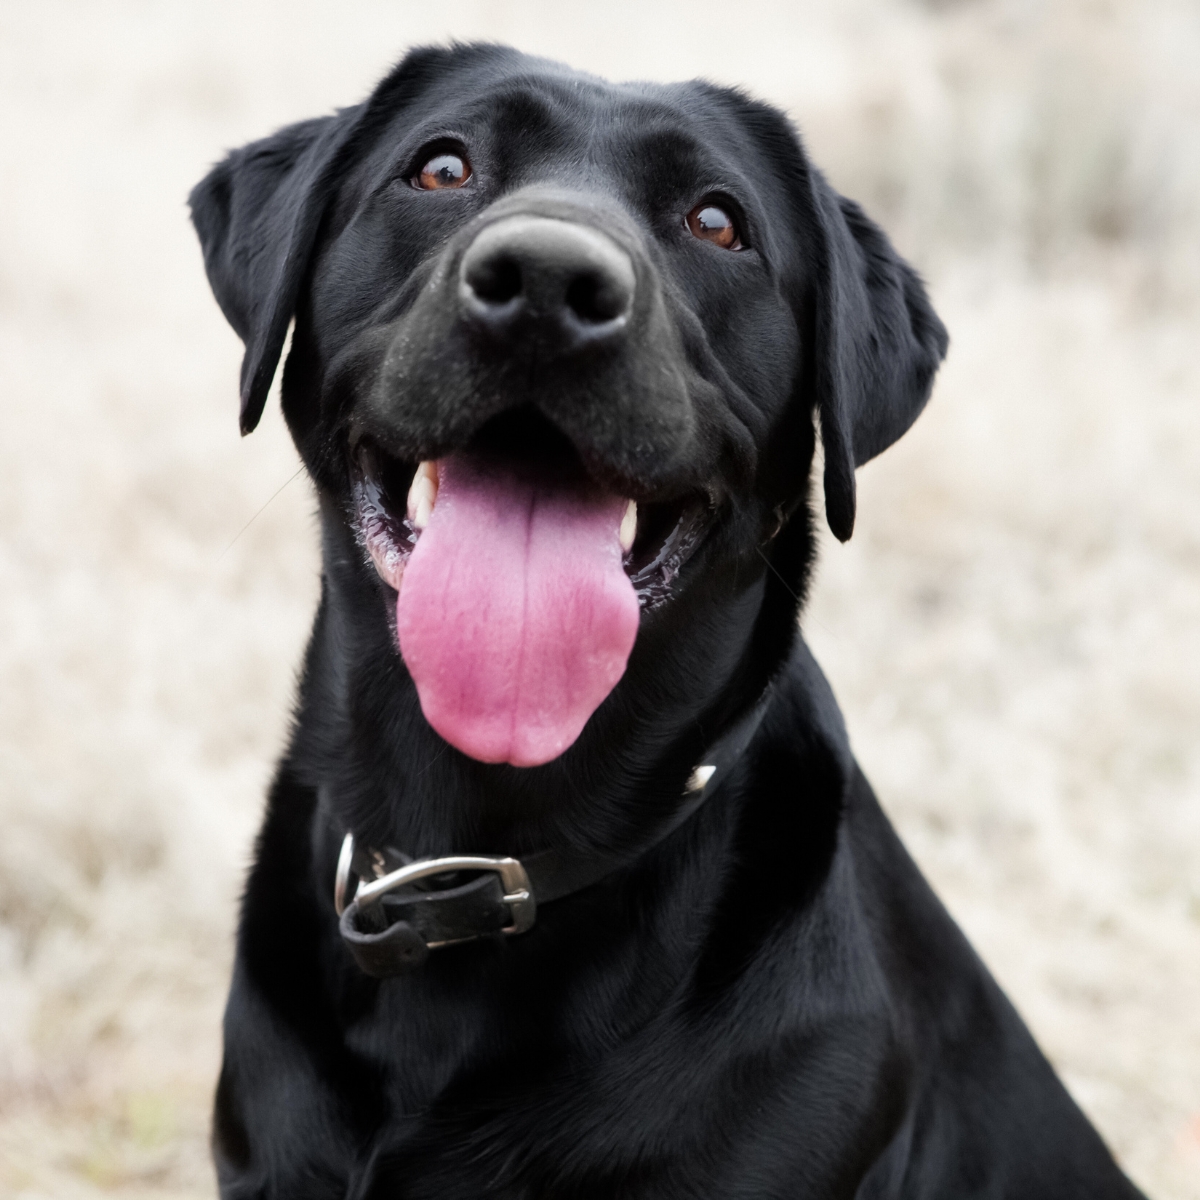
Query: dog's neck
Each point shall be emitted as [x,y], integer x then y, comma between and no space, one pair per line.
[359,722]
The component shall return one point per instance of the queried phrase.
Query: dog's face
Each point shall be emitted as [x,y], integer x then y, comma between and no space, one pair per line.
[558,349]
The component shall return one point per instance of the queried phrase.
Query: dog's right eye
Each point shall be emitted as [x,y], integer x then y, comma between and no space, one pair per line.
[442,171]
[711,223]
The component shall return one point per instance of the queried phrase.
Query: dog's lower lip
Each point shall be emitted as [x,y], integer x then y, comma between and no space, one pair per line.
[385,531]
[389,515]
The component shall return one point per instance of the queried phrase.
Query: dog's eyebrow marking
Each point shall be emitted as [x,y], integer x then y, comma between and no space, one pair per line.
[532,111]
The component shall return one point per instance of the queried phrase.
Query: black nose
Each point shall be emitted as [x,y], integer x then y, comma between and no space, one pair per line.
[561,284]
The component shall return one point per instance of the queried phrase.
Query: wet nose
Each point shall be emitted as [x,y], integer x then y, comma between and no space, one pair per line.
[563,284]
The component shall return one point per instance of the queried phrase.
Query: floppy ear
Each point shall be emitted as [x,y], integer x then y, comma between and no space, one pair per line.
[257,214]
[877,344]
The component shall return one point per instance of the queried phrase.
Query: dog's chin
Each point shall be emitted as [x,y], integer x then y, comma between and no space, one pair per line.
[518,584]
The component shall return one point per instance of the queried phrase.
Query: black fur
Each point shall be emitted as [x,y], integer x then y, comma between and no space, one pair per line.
[771,1003]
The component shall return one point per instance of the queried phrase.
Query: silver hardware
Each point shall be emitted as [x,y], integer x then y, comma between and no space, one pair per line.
[518,893]
[342,879]
[699,778]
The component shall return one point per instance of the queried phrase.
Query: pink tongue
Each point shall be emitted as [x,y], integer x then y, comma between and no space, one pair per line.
[515,617]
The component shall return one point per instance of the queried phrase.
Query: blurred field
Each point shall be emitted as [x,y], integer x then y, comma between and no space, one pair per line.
[1014,631]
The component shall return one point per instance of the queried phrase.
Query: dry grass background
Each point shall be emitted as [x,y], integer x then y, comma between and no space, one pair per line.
[1014,630]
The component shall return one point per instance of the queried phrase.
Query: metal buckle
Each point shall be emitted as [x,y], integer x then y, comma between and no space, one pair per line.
[518,894]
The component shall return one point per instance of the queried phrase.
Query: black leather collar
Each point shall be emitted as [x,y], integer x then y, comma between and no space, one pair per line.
[402,909]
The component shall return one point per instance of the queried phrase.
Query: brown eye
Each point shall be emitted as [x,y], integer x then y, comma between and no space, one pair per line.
[443,171]
[715,225]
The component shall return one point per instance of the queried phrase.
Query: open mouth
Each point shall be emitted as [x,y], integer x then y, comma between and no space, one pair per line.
[519,582]
[393,506]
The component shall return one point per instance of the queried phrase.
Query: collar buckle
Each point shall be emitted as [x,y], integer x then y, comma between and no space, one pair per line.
[518,892]
[503,898]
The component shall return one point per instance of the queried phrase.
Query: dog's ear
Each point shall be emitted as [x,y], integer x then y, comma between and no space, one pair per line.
[876,344]
[257,214]
[259,211]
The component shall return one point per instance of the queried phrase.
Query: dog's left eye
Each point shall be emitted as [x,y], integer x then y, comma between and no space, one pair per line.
[711,223]
[442,171]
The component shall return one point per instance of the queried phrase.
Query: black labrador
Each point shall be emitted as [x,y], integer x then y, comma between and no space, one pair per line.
[569,885]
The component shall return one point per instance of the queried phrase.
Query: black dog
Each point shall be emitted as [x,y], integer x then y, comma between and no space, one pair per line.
[559,346]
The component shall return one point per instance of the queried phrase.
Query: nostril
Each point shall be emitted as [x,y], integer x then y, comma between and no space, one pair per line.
[547,281]
[496,279]
[595,297]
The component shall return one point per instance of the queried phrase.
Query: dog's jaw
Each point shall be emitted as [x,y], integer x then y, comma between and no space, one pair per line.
[517,588]
[514,616]
[389,548]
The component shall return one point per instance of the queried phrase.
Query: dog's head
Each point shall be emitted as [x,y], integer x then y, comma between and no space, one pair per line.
[559,349]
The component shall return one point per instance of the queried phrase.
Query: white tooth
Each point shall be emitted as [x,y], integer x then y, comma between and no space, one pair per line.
[422,494]
[628,529]
[423,512]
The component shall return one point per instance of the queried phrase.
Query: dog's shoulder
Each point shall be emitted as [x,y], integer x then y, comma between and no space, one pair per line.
[986,1108]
